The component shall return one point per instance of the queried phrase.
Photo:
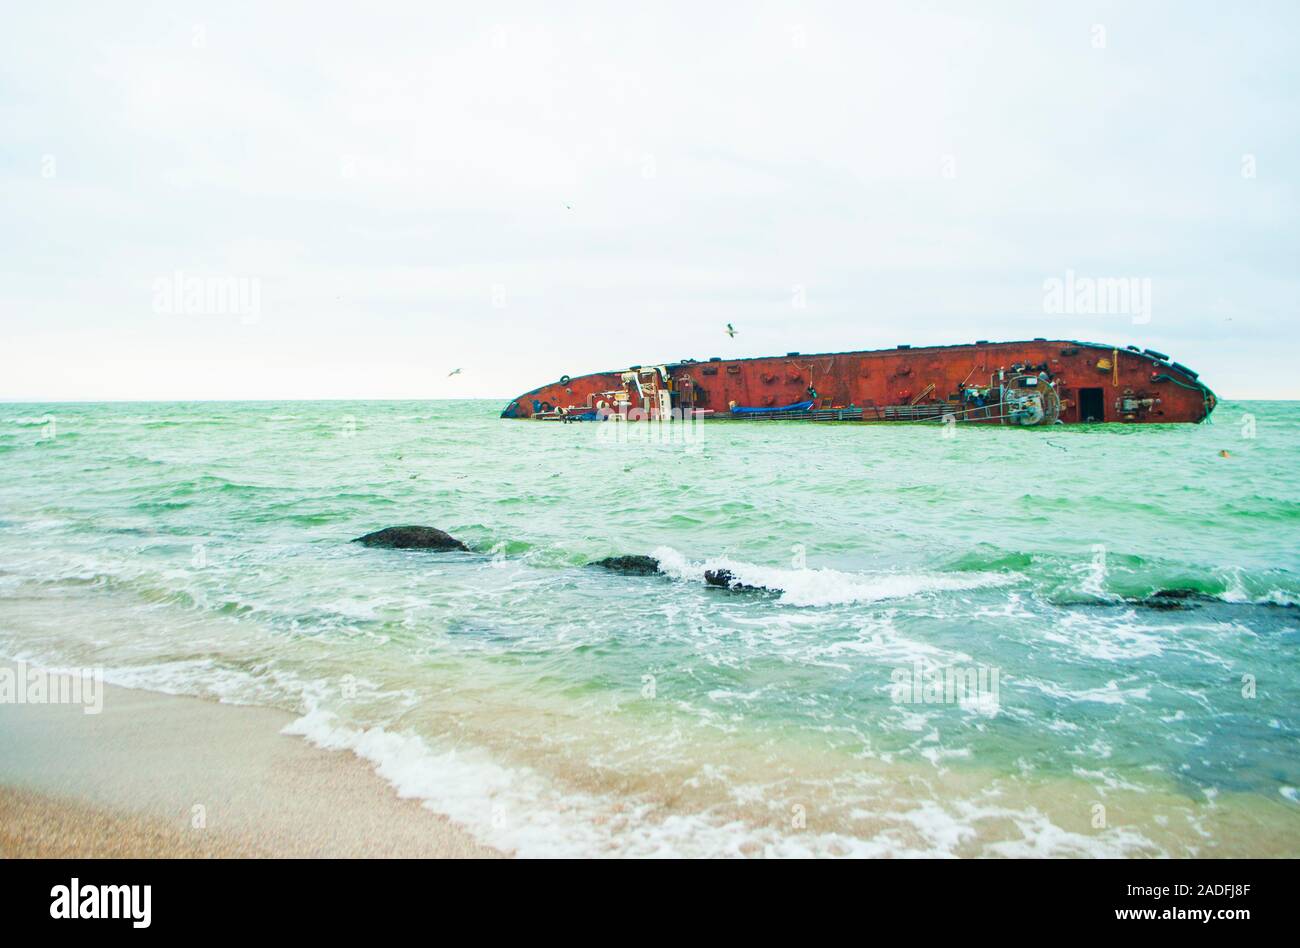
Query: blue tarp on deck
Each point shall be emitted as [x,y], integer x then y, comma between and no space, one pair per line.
[797,406]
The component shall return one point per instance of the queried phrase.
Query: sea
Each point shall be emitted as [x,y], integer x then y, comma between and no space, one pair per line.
[933,640]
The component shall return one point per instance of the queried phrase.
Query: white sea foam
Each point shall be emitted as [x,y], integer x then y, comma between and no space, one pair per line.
[521,811]
[878,640]
[825,587]
[272,686]
[1278,597]
[1110,693]
[1107,638]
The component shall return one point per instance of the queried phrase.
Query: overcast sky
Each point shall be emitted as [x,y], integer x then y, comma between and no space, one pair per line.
[523,191]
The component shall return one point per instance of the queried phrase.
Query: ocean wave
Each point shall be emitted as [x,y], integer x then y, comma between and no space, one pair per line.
[825,587]
[521,811]
[988,559]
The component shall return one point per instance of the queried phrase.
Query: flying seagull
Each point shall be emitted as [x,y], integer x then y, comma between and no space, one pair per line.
[731,330]
[568,206]
[453,372]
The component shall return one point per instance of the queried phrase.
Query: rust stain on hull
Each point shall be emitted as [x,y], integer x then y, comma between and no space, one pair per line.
[989,382]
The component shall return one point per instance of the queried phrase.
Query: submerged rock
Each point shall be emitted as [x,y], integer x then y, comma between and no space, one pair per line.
[1161,605]
[631,565]
[1165,600]
[1168,599]
[411,538]
[1183,594]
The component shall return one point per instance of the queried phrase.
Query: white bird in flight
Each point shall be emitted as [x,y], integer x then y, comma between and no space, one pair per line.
[731,330]
[453,372]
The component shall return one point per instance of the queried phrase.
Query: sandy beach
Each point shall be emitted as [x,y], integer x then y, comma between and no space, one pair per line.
[169,776]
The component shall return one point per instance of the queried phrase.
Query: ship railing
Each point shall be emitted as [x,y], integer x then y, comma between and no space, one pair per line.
[814,414]
[915,412]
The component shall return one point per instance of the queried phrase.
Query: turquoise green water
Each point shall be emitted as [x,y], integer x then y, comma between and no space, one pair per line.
[202,548]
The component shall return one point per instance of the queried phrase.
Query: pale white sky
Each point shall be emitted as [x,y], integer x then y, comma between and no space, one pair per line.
[394,178]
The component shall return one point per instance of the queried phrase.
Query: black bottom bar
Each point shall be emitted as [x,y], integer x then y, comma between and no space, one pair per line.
[304,898]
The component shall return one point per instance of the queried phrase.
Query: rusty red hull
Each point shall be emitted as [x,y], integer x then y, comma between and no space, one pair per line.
[1088,382]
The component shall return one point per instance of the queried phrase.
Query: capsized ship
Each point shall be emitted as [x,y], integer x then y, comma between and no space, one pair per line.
[1036,382]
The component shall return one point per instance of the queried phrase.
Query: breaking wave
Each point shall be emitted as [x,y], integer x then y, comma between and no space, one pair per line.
[826,587]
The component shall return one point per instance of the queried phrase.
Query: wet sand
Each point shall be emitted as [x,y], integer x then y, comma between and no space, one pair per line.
[163,776]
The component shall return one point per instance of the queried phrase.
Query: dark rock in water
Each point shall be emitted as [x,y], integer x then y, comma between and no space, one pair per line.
[631,565]
[724,579]
[1183,594]
[1171,599]
[649,566]
[411,538]
[1182,600]
[1161,604]
[1193,598]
